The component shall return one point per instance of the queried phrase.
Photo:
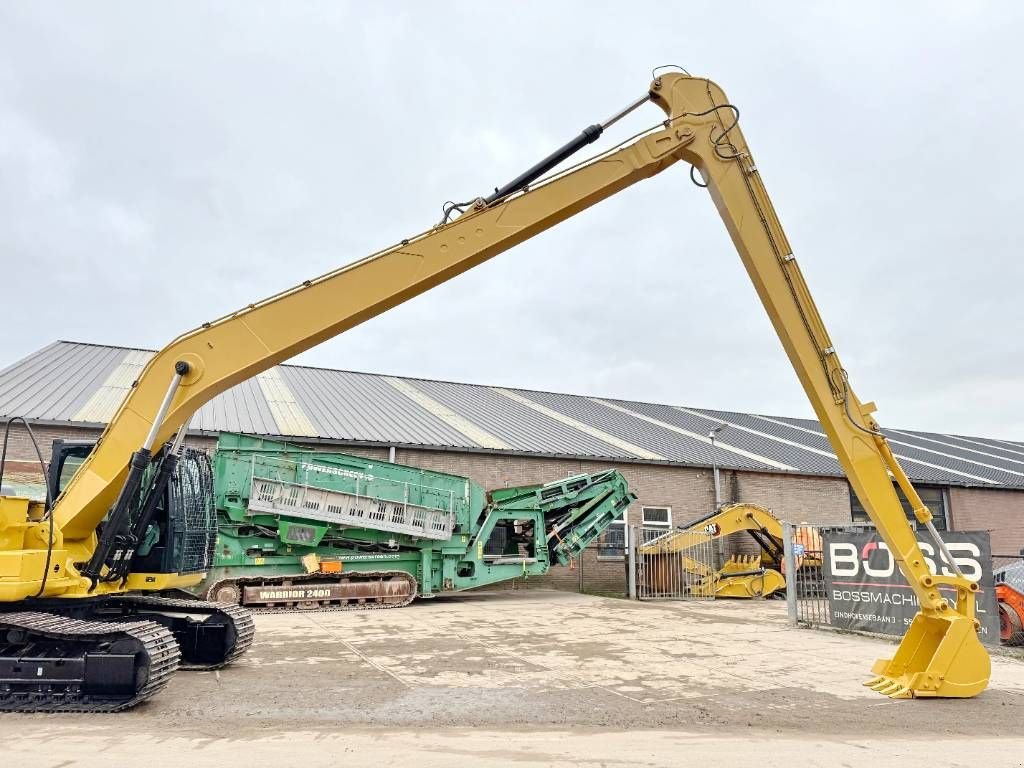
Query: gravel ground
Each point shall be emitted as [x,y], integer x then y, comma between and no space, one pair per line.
[538,678]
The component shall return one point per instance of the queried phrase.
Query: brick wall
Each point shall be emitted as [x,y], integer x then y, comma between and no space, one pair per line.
[688,492]
[798,499]
[22,465]
[999,512]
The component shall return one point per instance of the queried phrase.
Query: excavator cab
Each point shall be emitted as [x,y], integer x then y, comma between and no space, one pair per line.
[65,459]
[182,533]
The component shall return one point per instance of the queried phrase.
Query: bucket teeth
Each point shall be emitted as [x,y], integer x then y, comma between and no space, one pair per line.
[890,687]
[879,683]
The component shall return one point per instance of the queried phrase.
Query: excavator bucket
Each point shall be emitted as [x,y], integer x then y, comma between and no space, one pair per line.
[743,576]
[938,657]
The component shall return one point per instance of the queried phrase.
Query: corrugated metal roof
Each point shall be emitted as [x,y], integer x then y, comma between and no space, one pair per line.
[523,428]
[74,383]
[55,382]
[246,410]
[114,388]
[365,408]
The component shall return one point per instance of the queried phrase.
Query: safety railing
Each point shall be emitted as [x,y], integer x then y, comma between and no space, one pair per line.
[665,565]
[857,586]
[311,491]
[806,596]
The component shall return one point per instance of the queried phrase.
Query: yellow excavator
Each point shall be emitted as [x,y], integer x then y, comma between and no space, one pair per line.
[83,623]
[680,556]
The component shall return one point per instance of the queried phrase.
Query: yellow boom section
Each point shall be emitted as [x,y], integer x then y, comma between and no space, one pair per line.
[940,656]
[232,349]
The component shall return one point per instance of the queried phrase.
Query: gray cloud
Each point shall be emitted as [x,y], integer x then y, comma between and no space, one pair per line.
[162,164]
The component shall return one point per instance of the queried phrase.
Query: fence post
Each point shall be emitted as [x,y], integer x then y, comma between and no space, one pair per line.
[791,575]
[631,534]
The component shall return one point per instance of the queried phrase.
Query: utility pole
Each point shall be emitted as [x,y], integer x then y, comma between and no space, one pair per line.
[714,465]
[718,544]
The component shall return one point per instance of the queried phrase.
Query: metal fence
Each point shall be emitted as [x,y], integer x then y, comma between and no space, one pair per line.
[1000,561]
[806,597]
[670,565]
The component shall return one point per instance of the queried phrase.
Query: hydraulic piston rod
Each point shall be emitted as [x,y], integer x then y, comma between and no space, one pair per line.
[589,135]
[114,544]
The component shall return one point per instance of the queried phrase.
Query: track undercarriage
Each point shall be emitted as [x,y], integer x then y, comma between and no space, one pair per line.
[317,591]
[109,654]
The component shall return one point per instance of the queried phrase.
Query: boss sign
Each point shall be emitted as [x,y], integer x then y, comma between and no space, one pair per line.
[867,591]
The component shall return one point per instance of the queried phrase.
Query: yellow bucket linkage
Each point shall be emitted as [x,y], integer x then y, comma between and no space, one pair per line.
[940,654]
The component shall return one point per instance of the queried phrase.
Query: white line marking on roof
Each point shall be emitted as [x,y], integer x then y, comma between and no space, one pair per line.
[899,456]
[787,424]
[628,447]
[941,468]
[105,401]
[1004,442]
[975,442]
[695,435]
[456,421]
[286,411]
[961,458]
[776,438]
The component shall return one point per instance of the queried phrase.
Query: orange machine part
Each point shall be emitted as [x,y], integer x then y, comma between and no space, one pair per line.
[1011,615]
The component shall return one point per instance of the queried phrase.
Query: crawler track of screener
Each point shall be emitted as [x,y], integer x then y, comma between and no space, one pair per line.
[318,591]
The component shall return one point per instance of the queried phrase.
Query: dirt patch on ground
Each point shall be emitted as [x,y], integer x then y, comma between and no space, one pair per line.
[540,662]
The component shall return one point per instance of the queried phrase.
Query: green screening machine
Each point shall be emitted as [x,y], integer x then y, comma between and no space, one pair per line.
[310,529]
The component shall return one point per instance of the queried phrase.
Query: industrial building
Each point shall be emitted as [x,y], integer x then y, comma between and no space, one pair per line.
[500,437]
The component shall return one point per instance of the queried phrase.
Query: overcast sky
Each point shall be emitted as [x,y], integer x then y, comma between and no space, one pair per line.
[163,164]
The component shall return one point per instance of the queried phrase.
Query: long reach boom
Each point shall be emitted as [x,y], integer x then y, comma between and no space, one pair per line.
[940,654]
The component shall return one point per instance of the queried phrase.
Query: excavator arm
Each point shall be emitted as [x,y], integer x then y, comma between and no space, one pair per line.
[731,518]
[940,655]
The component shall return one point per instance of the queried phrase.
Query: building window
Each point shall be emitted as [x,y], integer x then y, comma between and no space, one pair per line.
[656,517]
[611,545]
[933,496]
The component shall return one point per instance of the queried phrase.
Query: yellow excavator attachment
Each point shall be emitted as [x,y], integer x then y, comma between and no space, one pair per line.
[744,576]
[938,656]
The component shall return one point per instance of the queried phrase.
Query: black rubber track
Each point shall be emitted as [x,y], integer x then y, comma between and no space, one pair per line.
[158,644]
[240,617]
